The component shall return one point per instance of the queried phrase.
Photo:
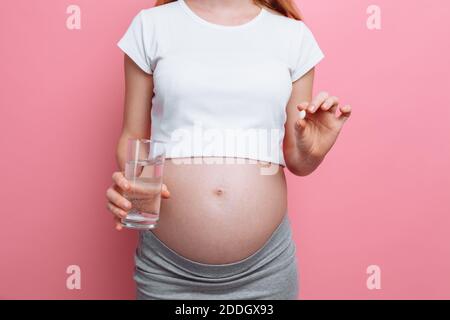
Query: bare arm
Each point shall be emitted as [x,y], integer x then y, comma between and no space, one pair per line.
[308,140]
[137,107]
[136,124]
[297,163]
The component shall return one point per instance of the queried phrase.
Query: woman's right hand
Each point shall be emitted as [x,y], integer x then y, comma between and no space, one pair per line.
[117,203]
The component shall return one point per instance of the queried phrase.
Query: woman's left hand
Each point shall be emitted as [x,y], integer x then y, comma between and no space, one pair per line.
[318,131]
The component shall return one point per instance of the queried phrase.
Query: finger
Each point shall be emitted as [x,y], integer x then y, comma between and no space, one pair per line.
[300,125]
[302,106]
[119,225]
[116,211]
[302,109]
[317,101]
[120,180]
[164,191]
[345,113]
[117,199]
[330,104]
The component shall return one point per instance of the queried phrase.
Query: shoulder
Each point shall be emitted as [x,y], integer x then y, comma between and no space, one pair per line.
[159,12]
[155,18]
[283,23]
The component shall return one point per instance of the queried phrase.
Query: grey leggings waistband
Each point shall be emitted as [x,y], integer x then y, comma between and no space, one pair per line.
[278,242]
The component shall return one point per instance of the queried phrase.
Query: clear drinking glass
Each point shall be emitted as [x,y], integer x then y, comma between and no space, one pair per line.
[144,171]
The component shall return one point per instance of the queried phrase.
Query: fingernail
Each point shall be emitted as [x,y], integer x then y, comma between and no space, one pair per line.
[311,108]
[127,204]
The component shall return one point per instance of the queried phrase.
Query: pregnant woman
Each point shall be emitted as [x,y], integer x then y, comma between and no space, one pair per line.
[228,86]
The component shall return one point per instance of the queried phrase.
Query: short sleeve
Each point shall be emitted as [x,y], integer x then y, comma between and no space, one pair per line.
[307,53]
[135,43]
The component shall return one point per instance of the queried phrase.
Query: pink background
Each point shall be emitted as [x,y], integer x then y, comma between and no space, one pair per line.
[380,197]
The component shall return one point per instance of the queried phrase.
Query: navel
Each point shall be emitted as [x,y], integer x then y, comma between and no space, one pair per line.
[219,191]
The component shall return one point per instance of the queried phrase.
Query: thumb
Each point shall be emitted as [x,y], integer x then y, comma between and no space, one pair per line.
[300,124]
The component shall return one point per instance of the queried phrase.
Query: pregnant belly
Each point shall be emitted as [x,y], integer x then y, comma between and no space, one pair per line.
[220,213]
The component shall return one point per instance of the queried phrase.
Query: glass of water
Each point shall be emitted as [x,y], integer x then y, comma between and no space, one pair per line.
[144,171]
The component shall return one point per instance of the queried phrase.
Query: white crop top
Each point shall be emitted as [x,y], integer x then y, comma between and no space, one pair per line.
[220,91]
